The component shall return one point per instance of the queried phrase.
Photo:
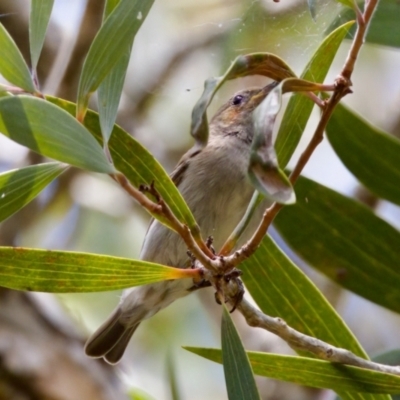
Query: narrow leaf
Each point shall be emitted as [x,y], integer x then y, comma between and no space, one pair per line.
[299,109]
[38,22]
[281,289]
[265,64]
[70,272]
[239,376]
[12,64]
[360,146]
[314,373]
[384,28]
[109,92]
[137,164]
[49,130]
[20,186]
[345,240]
[110,44]
[264,171]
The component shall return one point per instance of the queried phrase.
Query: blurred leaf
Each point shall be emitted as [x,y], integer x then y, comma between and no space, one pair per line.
[69,272]
[138,394]
[109,91]
[299,109]
[111,42]
[391,357]
[348,3]
[345,240]
[264,171]
[49,130]
[38,22]
[172,379]
[20,186]
[12,64]
[239,377]
[265,64]
[314,373]
[371,155]
[312,6]
[137,164]
[384,28]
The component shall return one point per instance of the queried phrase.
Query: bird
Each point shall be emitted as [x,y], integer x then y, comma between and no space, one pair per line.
[214,183]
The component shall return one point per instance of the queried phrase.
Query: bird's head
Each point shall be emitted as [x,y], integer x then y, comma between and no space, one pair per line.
[235,116]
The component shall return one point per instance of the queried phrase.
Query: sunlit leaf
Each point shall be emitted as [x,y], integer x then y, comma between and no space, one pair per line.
[12,64]
[38,22]
[264,171]
[239,377]
[384,28]
[110,44]
[360,146]
[345,240]
[299,109]
[137,164]
[109,91]
[314,373]
[70,272]
[49,130]
[265,64]
[20,186]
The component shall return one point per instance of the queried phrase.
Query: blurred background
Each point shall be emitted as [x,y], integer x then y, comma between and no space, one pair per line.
[181,43]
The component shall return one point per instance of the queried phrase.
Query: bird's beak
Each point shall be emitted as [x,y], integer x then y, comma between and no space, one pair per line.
[262,94]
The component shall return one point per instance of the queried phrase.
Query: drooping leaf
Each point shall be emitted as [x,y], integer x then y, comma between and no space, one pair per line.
[20,186]
[360,146]
[110,44]
[299,109]
[384,28]
[12,64]
[109,91]
[343,239]
[239,376]
[264,171]
[49,130]
[38,22]
[281,289]
[265,64]
[137,164]
[70,272]
[314,373]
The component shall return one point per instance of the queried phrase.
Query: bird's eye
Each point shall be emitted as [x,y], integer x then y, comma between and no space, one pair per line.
[237,100]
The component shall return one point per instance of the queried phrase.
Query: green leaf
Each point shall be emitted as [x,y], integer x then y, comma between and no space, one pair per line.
[109,91]
[263,171]
[12,64]
[239,377]
[20,186]
[49,130]
[110,44]
[172,378]
[291,295]
[345,240]
[70,272]
[137,164]
[299,109]
[281,289]
[265,64]
[371,155]
[384,28]
[38,22]
[314,373]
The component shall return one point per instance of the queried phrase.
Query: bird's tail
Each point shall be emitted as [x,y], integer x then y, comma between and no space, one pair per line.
[111,339]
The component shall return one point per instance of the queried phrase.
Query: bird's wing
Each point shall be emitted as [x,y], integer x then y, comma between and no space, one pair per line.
[179,171]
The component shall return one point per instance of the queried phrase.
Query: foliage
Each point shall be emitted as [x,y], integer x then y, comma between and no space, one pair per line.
[339,236]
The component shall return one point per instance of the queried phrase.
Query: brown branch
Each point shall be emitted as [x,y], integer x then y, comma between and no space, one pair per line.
[161,209]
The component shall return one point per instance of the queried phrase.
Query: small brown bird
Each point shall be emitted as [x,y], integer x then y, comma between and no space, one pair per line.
[214,183]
